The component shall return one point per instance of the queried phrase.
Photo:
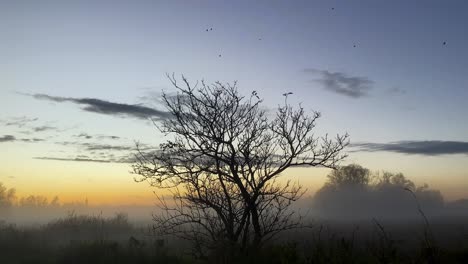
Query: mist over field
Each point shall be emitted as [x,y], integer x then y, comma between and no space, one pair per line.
[350,216]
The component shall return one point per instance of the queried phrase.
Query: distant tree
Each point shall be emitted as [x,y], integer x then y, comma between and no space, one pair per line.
[7,196]
[34,201]
[350,175]
[223,162]
[55,202]
[430,199]
[392,180]
[345,192]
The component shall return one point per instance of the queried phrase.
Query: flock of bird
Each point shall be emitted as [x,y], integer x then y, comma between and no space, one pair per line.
[211,29]
[354,45]
[254,93]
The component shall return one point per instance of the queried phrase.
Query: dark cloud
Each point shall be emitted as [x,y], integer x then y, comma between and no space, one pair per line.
[7,138]
[43,128]
[341,83]
[11,138]
[92,146]
[108,108]
[32,139]
[429,147]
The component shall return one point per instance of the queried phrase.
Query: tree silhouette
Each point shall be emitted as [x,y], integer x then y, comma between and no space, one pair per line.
[223,162]
[350,175]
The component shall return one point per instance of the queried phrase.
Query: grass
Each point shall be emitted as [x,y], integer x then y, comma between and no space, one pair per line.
[95,239]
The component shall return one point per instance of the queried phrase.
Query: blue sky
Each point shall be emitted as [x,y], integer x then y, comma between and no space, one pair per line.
[378,70]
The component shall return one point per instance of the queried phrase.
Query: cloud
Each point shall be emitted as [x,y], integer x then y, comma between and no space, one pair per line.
[88,136]
[32,139]
[83,135]
[92,146]
[7,138]
[108,108]
[20,121]
[73,159]
[107,137]
[43,128]
[82,158]
[11,138]
[428,148]
[341,83]
[24,122]
[96,146]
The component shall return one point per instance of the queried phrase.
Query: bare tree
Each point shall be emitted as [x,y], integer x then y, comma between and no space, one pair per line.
[223,162]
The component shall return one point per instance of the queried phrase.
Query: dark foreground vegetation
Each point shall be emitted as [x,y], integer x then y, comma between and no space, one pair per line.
[94,239]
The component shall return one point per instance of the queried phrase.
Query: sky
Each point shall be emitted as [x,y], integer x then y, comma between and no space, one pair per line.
[79,81]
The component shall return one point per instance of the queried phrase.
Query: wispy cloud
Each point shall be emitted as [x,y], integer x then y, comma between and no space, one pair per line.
[108,108]
[44,128]
[19,121]
[7,138]
[107,137]
[428,148]
[30,123]
[89,146]
[11,138]
[123,159]
[341,83]
[88,136]
[83,135]
[73,159]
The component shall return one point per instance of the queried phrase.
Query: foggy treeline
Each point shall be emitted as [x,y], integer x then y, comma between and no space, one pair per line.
[353,192]
[37,209]
[350,193]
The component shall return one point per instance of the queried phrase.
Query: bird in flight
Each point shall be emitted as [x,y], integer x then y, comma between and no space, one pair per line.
[288,93]
[444,43]
[219,55]
[354,45]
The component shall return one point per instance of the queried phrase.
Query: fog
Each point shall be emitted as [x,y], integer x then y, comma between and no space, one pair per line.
[350,194]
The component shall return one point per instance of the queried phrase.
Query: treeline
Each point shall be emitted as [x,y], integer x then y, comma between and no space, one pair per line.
[9,199]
